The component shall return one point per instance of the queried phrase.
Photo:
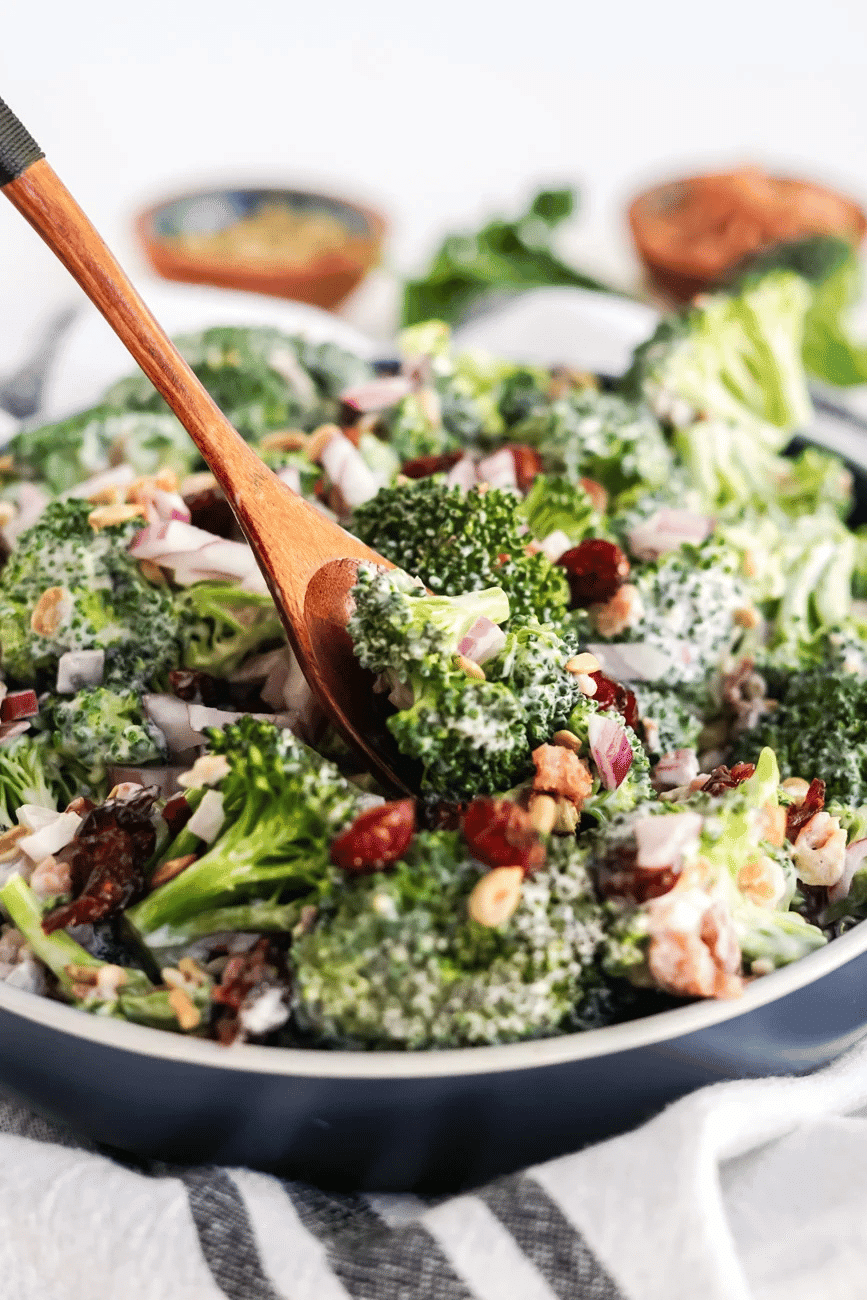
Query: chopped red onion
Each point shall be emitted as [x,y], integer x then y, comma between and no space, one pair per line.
[10,731]
[119,477]
[635,661]
[555,545]
[348,471]
[610,749]
[51,837]
[483,641]
[156,541]
[31,502]
[377,394]
[79,668]
[676,769]
[663,840]
[667,530]
[498,470]
[462,474]
[291,476]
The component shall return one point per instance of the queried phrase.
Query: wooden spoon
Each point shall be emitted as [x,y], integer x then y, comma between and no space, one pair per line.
[309,562]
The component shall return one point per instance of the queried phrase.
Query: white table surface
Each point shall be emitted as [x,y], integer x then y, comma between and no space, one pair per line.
[438,114]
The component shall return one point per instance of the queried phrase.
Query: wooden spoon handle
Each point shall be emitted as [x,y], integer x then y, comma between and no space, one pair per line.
[291,540]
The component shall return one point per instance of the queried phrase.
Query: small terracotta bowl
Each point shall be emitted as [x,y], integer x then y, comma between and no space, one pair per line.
[679,271]
[325,278]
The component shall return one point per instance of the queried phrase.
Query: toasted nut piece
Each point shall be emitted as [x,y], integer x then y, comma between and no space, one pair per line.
[471,669]
[584,663]
[772,824]
[165,479]
[496,896]
[586,684]
[9,842]
[51,611]
[106,516]
[542,810]
[192,970]
[172,868]
[171,976]
[748,564]
[7,513]
[109,979]
[568,816]
[746,616]
[284,440]
[188,1015]
[107,496]
[82,974]
[430,406]
[567,739]
[7,462]
[152,571]
[320,439]
[797,787]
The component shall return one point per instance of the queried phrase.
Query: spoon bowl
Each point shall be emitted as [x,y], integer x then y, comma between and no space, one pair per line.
[293,543]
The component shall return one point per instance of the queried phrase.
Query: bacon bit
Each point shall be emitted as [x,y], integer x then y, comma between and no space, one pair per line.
[244,977]
[376,838]
[500,833]
[796,787]
[772,823]
[617,614]
[619,876]
[425,466]
[559,771]
[186,1012]
[611,695]
[106,861]
[171,868]
[595,570]
[723,778]
[597,493]
[528,464]
[798,814]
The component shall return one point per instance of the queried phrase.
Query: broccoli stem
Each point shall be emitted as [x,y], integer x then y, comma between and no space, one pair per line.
[259,915]
[57,950]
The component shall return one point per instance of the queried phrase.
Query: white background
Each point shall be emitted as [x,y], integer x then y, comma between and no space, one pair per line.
[436,113]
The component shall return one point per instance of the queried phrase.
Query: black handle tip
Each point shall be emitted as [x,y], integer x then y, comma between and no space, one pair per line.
[18,149]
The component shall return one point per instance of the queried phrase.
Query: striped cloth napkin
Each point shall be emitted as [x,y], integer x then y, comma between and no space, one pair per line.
[742,1191]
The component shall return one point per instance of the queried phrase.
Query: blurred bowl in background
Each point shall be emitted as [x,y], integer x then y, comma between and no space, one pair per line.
[690,232]
[288,243]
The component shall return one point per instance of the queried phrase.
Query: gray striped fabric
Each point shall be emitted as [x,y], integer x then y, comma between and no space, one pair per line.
[510,1238]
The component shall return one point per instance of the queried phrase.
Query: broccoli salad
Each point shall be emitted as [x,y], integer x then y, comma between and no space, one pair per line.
[622,652]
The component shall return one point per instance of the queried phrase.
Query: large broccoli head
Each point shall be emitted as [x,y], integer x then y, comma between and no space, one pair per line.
[459,541]
[96,729]
[69,585]
[395,960]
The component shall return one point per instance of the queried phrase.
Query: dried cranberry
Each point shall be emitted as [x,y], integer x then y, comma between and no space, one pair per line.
[619,877]
[244,977]
[596,570]
[798,814]
[723,778]
[17,705]
[612,695]
[424,466]
[499,834]
[528,464]
[376,838]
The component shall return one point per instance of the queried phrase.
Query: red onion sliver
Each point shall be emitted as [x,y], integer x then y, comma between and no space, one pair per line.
[610,749]
[663,840]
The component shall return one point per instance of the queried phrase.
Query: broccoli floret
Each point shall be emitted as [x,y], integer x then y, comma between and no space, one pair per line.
[671,717]
[24,777]
[600,436]
[97,596]
[556,504]
[469,736]
[687,602]
[96,729]
[261,378]
[458,542]
[221,624]
[282,805]
[819,729]
[396,962]
[531,665]
[727,375]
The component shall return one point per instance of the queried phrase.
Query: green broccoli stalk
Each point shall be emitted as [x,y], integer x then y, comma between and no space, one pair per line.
[259,916]
[220,624]
[282,805]
[462,541]
[92,594]
[24,777]
[395,961]
[556,504]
